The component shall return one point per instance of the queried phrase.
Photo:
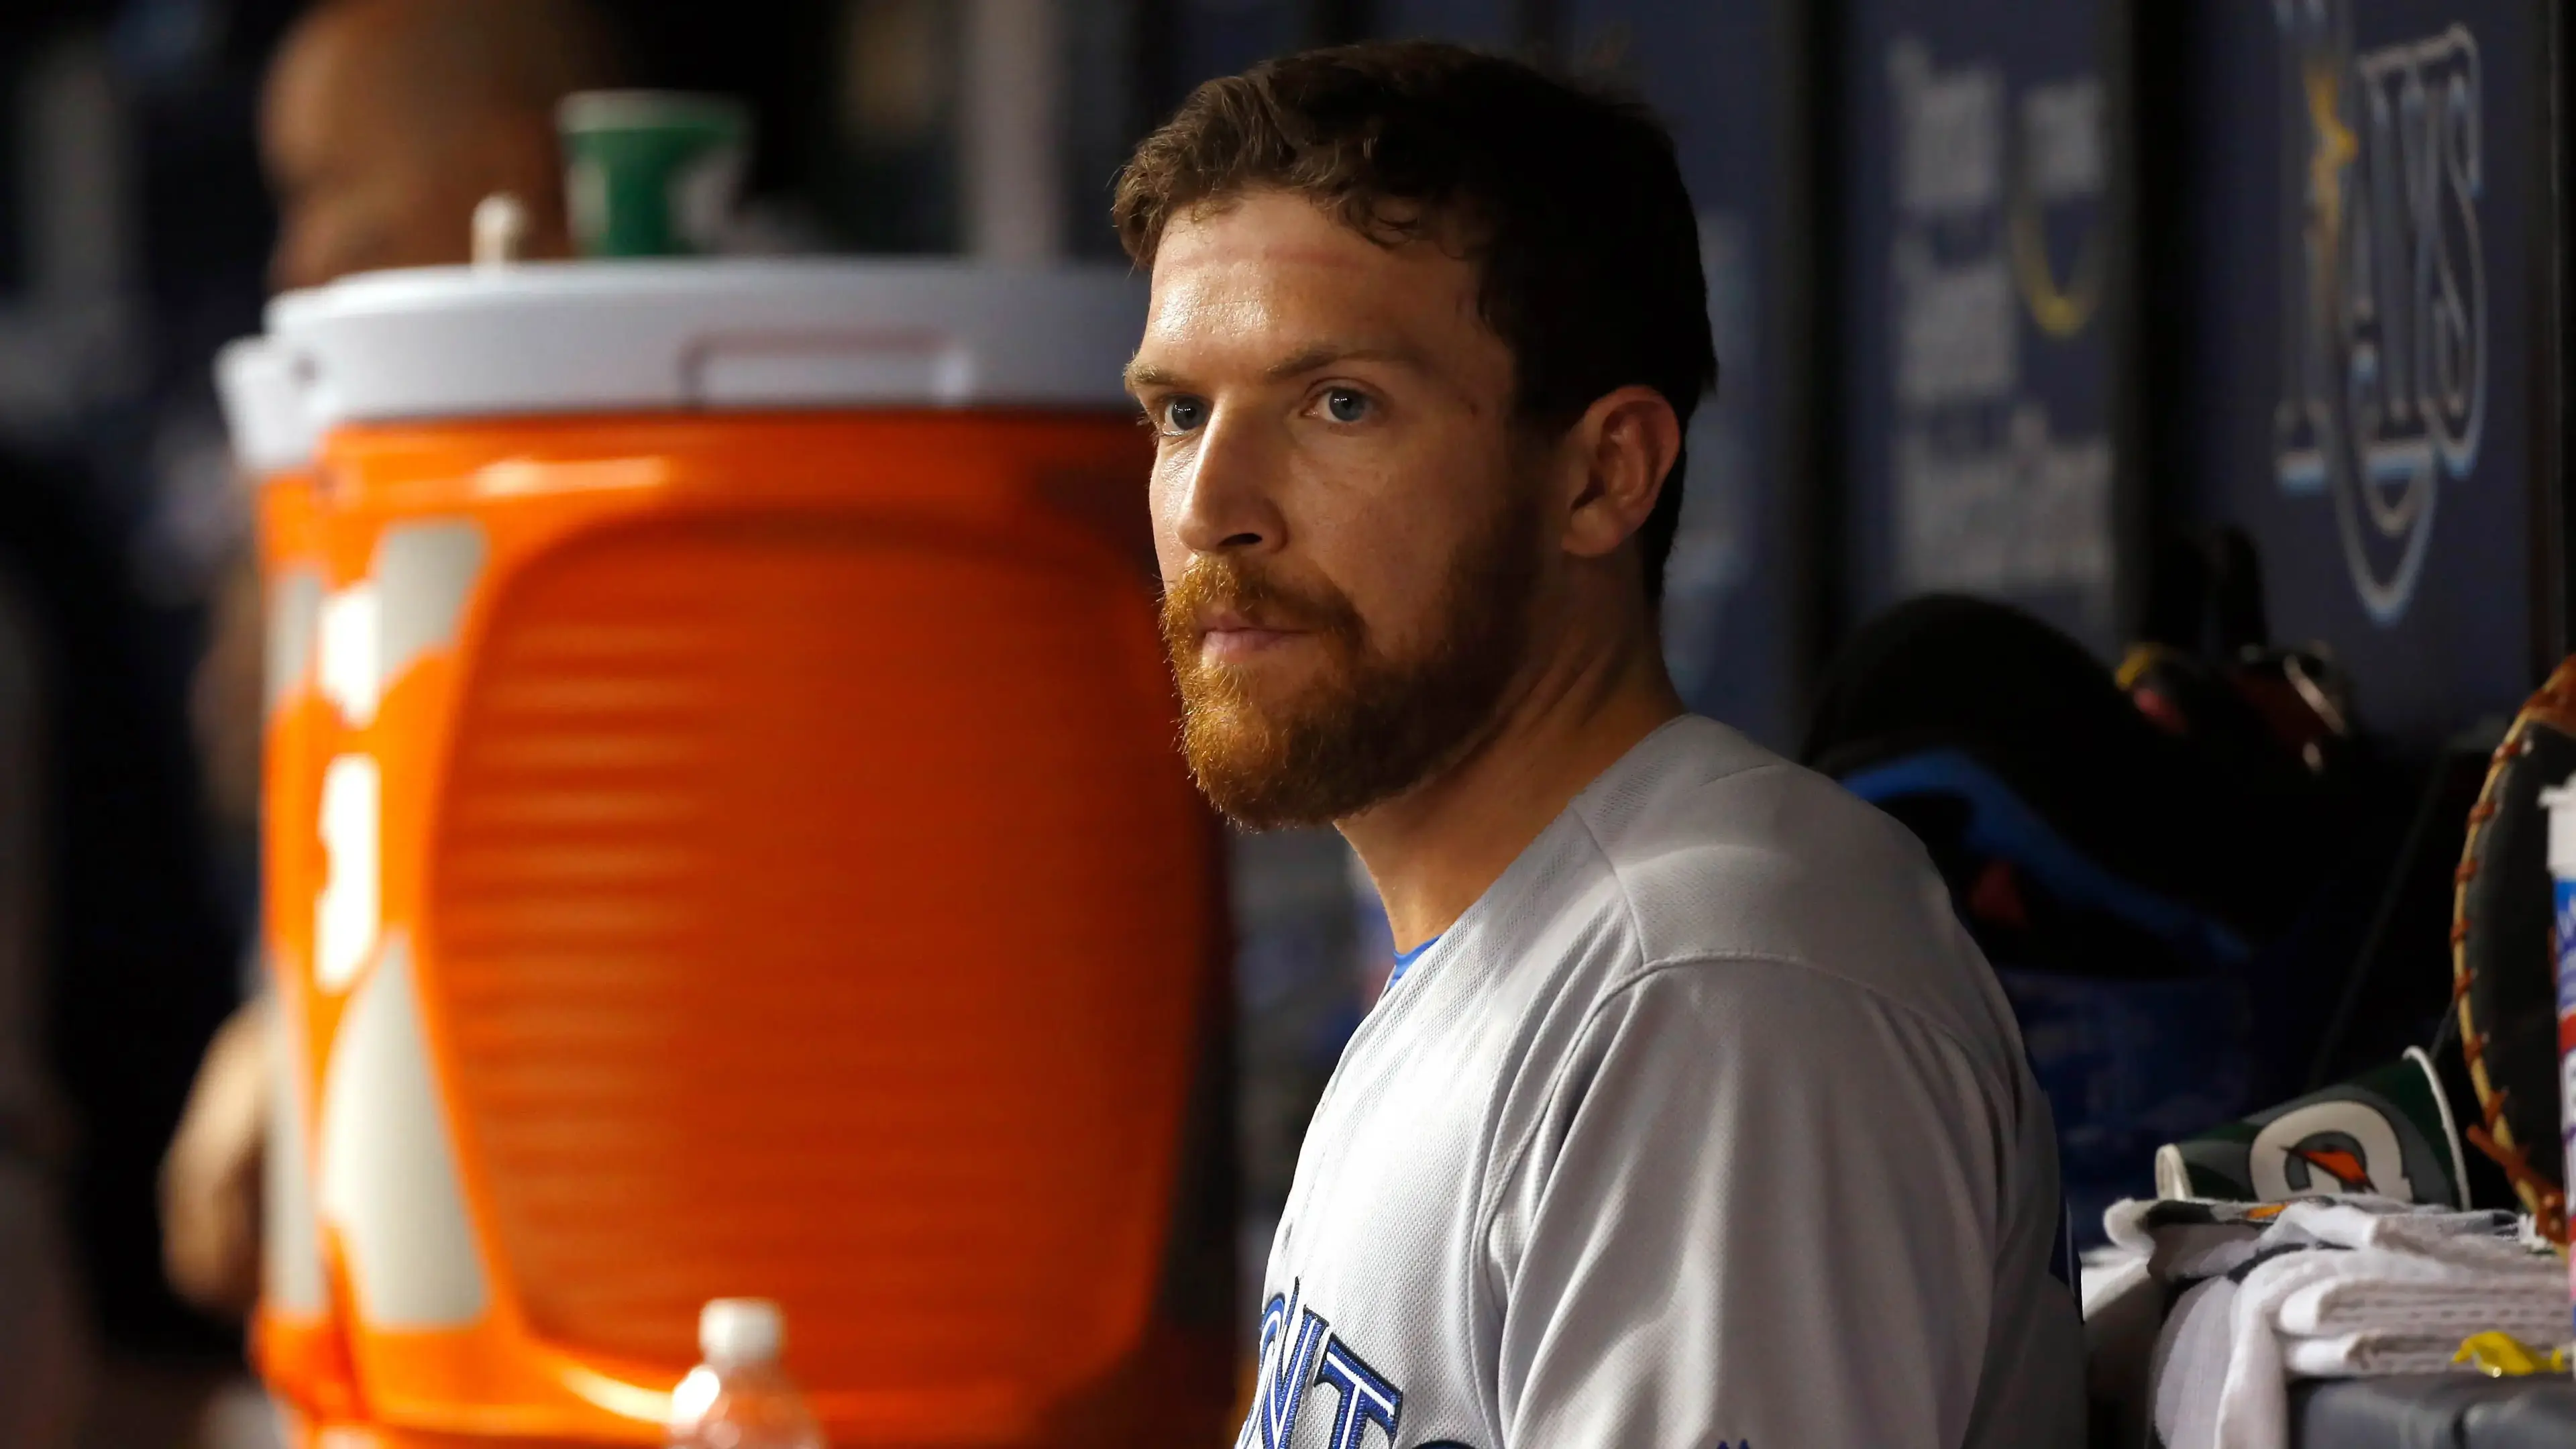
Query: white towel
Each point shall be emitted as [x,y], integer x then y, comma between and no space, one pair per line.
[2191,1365]
[2392,1291]
[2366,1355]
[2327,1288]
[2475,1240]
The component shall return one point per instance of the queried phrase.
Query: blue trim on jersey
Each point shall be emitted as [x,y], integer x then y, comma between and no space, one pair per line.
[1404,960]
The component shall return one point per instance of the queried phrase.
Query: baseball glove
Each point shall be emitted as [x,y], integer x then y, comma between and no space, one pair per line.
[2503,975]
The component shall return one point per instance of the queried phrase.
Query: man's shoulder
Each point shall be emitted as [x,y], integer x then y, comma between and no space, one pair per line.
[1724,848]
[1724,852]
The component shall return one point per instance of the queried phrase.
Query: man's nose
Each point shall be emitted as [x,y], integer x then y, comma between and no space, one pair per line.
[1228,494]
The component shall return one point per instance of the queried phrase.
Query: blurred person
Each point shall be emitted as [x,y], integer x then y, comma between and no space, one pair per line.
[40,1351]
[382,126]
[1690,1115]
[106,996]
[386,121]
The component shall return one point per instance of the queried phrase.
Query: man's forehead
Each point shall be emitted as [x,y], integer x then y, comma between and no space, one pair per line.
[1264,237]
[1276,275]
[1263,271]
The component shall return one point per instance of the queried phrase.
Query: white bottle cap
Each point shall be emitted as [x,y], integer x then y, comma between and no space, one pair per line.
[734,1331]
[2560,802]
[501,228]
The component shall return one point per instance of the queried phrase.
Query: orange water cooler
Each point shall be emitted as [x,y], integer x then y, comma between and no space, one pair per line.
[725,837]
[275,444]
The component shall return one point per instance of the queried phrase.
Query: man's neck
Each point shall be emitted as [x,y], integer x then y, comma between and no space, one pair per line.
[1437,848]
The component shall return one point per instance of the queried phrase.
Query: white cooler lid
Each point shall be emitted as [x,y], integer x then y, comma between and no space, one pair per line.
[263,406]
[590,337]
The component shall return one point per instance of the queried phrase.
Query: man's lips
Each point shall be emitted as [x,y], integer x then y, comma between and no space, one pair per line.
[1226,637]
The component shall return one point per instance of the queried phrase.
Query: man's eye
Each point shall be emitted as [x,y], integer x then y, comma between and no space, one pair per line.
[1183,415]
[1345,405]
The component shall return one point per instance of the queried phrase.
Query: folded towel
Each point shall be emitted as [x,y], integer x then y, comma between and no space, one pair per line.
[2318,1288]
[2366,1355]
[2389,1291]
[2470,1239]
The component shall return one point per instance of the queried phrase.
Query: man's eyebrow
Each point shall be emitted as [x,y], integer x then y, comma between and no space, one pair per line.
[1141,375]
[1324,354]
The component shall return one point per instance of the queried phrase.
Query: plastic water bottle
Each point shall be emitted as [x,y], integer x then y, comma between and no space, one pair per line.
[740,1398]
[2560,802]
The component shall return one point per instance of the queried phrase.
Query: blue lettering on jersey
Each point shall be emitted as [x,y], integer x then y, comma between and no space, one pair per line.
[1367,1398]
[1287,1366]
[1294,1365]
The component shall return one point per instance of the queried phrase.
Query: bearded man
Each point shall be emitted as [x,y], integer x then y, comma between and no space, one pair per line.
[1691,1116]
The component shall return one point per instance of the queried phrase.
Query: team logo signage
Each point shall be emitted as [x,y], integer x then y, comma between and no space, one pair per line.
[2384,289]
[2001,453]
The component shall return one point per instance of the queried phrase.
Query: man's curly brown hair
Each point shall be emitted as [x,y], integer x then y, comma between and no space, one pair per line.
[1566,197]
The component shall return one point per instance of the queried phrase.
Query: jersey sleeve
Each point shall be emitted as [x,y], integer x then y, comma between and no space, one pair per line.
[1762,1205]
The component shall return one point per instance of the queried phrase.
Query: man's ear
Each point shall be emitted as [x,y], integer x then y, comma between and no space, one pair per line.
[1625,443]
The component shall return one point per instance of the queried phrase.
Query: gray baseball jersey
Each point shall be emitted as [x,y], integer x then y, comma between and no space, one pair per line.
[1706,1126]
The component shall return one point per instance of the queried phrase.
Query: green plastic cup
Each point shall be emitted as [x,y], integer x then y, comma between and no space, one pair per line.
[651,173]
[2388,1131]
